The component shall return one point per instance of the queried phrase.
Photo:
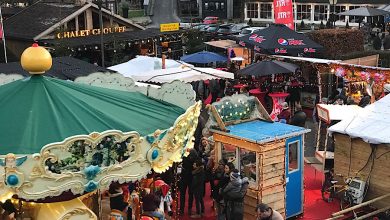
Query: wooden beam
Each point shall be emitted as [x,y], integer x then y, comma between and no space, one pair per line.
[214,112]
[262,110]
[360,205]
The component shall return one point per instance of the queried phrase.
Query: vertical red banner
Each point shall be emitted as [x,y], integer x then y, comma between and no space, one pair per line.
[283,12]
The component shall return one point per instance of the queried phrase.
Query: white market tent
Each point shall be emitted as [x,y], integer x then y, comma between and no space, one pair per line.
[371,124]
[185,74]
[141,64]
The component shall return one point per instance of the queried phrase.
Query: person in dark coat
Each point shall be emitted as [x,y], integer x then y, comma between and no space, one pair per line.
[221,209]
[366,100]
[234,194]
[198,188]
[117,198]
[186,180]
[299,118]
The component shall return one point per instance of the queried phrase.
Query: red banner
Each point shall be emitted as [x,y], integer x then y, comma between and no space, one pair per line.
[283,11]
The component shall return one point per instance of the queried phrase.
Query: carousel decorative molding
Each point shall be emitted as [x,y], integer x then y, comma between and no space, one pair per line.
[77,212]
[176,92]
[84,163]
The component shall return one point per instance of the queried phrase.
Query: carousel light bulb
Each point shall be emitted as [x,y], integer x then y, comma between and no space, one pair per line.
[223,106]
[226,103]
[235,105]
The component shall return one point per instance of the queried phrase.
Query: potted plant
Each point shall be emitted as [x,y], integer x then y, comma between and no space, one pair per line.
[125,5]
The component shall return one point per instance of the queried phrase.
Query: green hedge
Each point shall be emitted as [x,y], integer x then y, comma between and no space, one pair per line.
[136,13]
[338,41]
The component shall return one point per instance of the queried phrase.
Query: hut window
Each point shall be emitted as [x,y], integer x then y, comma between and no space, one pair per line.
[229,153]
[293,152]
[248,164]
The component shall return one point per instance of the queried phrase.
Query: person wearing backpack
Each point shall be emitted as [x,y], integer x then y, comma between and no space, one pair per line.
[234,194]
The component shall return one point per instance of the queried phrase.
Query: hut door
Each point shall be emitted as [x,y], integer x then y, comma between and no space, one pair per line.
[294,183]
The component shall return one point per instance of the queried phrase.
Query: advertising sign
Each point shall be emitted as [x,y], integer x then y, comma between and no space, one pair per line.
[169,27]
[86,33]
[283,11]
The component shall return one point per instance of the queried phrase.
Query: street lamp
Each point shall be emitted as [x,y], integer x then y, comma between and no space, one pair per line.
[333,3]
[100,2]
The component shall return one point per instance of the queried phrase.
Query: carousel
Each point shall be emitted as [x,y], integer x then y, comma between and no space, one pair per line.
[62,141]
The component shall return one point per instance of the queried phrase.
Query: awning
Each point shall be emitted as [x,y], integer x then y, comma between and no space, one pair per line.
[224,44]
[184,74]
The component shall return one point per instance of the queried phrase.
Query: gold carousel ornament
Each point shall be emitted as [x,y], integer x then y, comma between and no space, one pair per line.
[60,136]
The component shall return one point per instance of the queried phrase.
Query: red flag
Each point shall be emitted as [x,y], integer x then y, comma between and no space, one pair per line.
[1,29]
[283,11]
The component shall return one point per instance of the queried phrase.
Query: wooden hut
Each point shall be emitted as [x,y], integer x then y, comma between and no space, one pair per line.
[244,134]
[362,149]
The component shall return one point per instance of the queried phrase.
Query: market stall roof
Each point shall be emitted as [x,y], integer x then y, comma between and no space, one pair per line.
[325,61]
[224,44]
[259,131]
[141,64]
[40,110]
[185,74]
[307,59]
[371,124]
[67,68]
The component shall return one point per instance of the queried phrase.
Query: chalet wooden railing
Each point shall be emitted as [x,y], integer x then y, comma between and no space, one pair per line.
[340,214]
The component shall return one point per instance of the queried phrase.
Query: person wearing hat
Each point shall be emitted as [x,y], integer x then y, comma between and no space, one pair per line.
[285,113]
[264,212]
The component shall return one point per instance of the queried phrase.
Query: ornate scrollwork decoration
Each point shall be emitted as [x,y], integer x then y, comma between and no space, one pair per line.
[68,158]
[176,140]
[78,212]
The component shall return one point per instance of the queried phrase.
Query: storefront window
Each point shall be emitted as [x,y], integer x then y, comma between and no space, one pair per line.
[266,10]
[320,13]
[353,19]
[252,10]
[293,152]
[222,5]
[304,12]
[248,165]
[338,9]
[229,153]
[206,6]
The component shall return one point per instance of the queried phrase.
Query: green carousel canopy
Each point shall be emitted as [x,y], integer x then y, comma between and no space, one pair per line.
[40,110]
[59,135]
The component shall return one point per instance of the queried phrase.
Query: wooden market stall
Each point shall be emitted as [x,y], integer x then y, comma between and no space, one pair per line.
[329,115]
[244,134]
[362,149]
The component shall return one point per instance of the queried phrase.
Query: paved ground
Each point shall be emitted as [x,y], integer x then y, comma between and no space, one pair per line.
[165,11]
[310,138]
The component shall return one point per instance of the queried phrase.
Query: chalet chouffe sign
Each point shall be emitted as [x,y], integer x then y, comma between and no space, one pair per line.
[86,33]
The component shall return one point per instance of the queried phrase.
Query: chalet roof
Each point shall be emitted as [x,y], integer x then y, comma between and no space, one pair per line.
[34,21]
[67,68]
[37,18]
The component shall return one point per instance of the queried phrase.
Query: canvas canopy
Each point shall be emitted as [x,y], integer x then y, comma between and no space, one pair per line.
[40,110]
[185,74]
[371,124]
[141,64]
[329,113]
